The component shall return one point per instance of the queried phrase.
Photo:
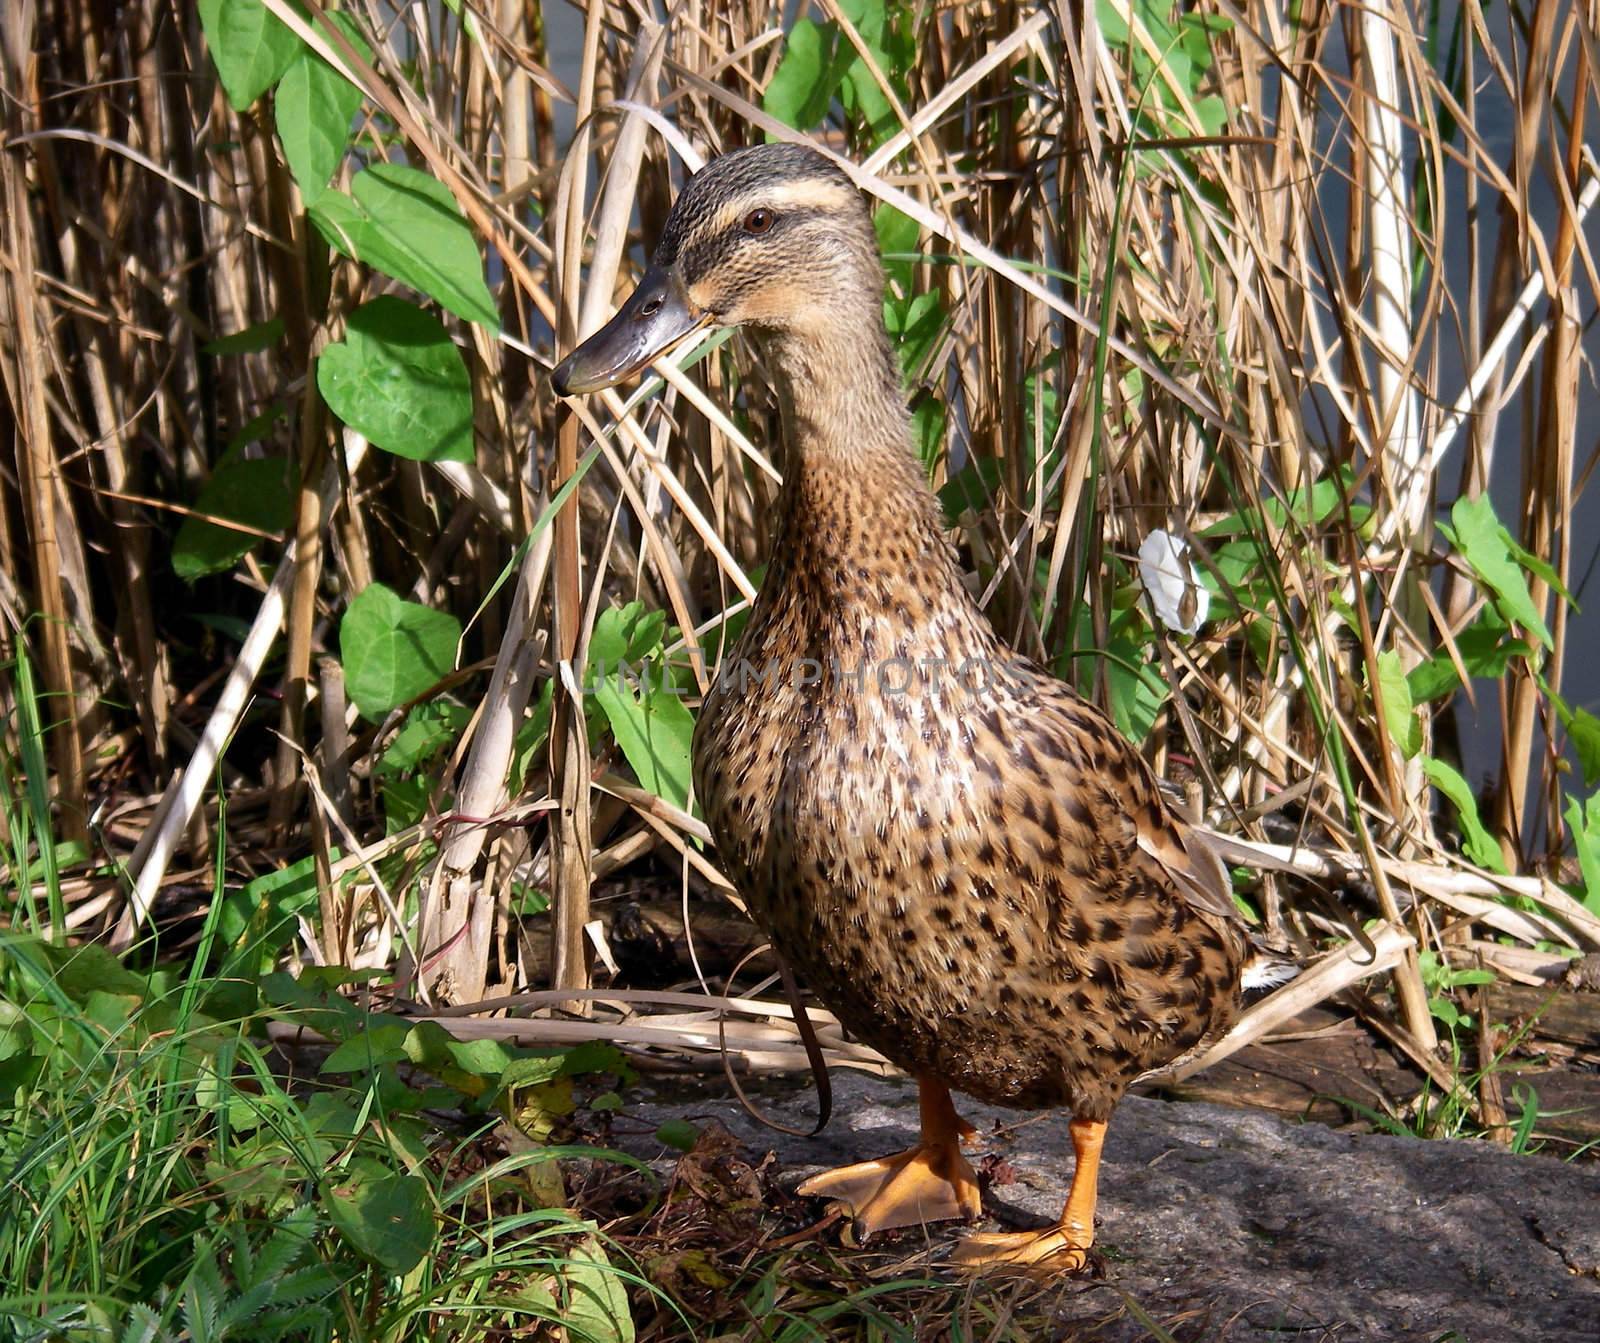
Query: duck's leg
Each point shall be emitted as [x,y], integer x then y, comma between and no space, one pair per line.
[930,1182]
[1062,1248]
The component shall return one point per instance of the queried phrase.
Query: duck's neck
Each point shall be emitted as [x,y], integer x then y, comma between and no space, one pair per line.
[859,543]
[840,389]
[847,432]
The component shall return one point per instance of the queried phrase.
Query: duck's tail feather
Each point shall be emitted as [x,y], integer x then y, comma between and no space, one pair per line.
[1266,969]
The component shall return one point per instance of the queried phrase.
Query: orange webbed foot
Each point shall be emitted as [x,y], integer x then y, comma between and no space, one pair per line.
[1063,1248]
[926,1183]
[931,1182]
[1039,1254]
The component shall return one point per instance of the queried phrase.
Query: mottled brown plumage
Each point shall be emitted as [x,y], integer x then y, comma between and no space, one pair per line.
[961,857]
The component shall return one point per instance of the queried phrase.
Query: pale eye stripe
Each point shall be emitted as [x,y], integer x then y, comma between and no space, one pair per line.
[808,195]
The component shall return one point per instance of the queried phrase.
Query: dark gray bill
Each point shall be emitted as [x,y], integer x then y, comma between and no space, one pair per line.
[654,319]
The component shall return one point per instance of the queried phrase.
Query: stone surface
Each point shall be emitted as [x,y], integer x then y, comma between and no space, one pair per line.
[1240,1226]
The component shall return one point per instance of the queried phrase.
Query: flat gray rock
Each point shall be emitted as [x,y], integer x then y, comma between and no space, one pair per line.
[1239,1226]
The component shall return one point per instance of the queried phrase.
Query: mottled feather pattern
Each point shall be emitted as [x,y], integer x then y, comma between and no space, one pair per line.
[961,857]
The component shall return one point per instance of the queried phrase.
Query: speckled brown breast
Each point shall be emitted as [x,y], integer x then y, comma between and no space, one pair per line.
[944,841]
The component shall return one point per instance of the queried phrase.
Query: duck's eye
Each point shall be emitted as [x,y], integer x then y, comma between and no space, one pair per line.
[759,221]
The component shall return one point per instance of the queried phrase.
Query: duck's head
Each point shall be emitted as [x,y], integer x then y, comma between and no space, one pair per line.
[776,236]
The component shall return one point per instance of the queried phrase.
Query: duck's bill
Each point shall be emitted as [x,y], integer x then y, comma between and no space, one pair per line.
[654,320]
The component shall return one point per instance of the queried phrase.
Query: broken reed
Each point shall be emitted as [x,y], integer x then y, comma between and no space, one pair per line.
[1144,275]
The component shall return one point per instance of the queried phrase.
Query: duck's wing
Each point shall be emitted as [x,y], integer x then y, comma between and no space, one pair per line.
[1184,855]
[1128,796]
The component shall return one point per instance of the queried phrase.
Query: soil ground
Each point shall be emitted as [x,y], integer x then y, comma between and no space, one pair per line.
[1228,1223]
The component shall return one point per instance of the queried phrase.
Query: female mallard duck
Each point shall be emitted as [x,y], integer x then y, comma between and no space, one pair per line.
[964,859]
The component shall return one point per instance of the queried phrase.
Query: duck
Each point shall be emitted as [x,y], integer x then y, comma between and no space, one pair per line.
[959,855]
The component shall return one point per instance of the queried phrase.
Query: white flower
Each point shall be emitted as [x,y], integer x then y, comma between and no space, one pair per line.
[1173,582]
